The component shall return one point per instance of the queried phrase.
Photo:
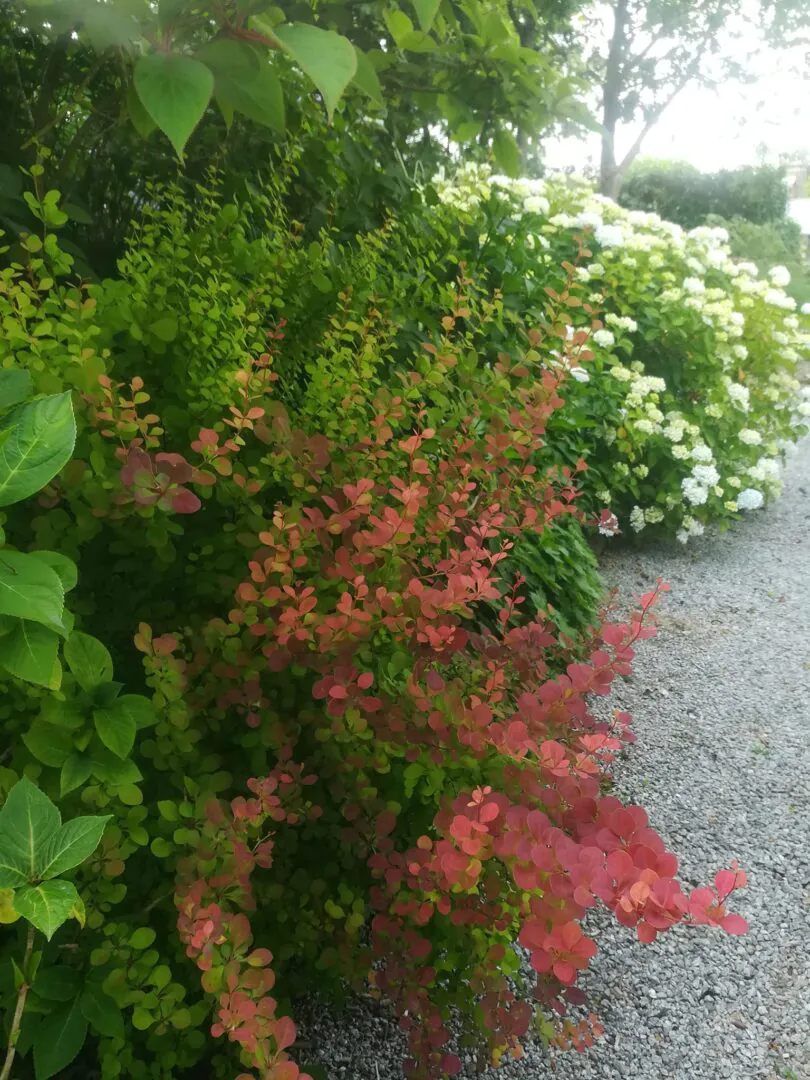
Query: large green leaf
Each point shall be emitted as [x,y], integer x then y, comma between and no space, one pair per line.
[367,79]
[101,1011]
[110,769]
[47,905]
[89,660]
[243,83]
[29,589]
[28,821]
[116,729]
[327,58]
[40,436]
[507,152]
[106,27]
[15,386]
[64,567]
[30,652]
[58,1040]
[49,744]
[174,89]
[426,11]
[71,845]
[75,771]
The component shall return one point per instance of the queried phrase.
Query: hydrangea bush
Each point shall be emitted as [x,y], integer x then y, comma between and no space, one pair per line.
[352,750]
[692,396]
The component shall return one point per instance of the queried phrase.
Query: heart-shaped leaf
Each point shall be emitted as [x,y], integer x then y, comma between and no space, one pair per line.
[175,90]
[327,58]
[116,729]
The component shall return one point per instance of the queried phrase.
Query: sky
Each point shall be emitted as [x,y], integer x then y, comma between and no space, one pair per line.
[734,125]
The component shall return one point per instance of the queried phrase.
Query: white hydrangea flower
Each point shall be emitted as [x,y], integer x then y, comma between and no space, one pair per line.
[694,285]
[701,452]
[705,475]
[680,452]
[641,471]
[604,338]
[647,427]
[714,410]
[637,518]
[608,236]
[806,309]
[780,276]
[749,437]
[653,514]
[750,499]
[580,374]
[693,491]
[536,204]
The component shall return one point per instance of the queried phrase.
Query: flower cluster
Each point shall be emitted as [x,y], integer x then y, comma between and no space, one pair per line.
[694,379]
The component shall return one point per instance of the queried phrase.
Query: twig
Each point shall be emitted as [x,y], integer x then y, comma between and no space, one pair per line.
[22,994]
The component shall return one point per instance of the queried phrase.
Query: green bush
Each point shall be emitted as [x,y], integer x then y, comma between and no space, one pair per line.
[687,392]
[772,243]
[680,193]
[320,497]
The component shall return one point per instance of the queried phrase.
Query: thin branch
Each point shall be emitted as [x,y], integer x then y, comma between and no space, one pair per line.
[22,994]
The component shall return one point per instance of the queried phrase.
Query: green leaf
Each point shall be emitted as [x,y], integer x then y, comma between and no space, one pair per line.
[29,589]
[71,845]
[58,1040]
[399,25]
[111,769]
[75,772]
[243,83]
[142,938]
[106,27]
[175,90]
[40,436]
[137,707]
[101,1012]
[57,983]
[89,660]
[141,120]
[49,744]
[426,11]
[327,58]
[30,652]
[15,386]
[28,820]
[507,152]
[165,329]
[48,905]
[367,79]
[64,567]
[116,729]
[11,874]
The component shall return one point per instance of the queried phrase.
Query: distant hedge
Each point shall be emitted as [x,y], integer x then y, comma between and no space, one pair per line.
[679,192]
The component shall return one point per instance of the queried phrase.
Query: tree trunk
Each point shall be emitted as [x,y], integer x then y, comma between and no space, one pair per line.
[610,178]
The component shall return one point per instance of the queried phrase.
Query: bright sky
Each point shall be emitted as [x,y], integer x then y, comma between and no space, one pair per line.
[734,125]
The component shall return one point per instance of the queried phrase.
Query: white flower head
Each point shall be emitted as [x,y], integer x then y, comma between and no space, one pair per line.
[604,338]
[694,285]
[750,499]
[780,276]
[749,437]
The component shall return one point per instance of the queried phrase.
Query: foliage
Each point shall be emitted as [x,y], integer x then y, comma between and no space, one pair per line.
[303,467]
[691,397]
[679,192]
[364,94]
[770,243]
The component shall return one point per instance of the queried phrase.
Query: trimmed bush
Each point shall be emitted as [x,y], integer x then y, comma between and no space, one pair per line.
[680,193]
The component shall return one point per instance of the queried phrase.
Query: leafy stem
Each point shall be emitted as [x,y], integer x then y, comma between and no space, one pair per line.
[22,994]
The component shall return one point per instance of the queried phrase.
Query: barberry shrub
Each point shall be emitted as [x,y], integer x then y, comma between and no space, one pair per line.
[369,757]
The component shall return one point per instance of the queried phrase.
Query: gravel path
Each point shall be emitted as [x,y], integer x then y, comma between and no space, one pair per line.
[721,703]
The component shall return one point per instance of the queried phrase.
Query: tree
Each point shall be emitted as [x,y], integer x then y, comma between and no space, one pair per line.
[655,51]
[114,92]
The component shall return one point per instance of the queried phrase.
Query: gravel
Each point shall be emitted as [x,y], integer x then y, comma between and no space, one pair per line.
[721,704]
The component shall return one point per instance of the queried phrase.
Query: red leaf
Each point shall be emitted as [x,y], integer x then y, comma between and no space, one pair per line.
[735,924]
